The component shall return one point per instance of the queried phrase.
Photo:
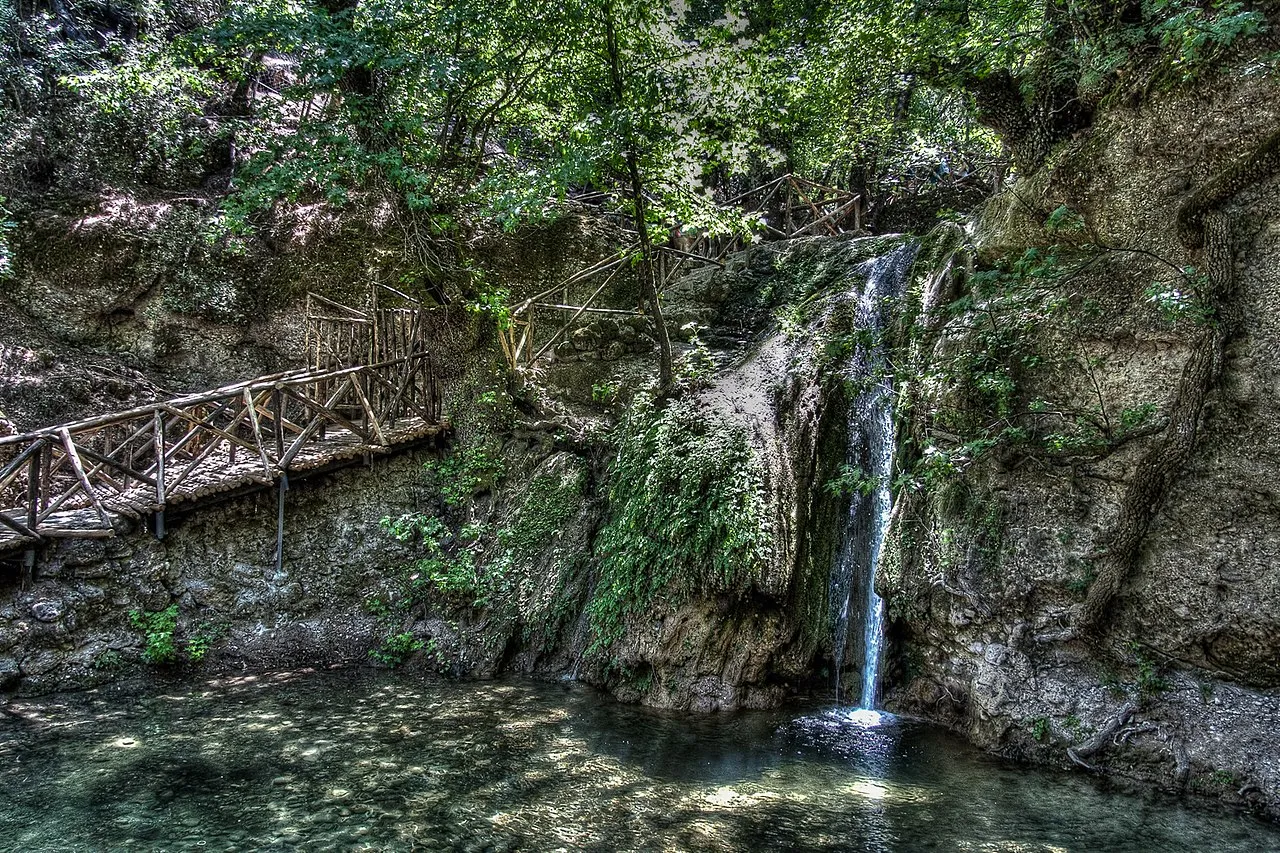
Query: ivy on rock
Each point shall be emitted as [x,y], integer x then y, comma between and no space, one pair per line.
[688,514]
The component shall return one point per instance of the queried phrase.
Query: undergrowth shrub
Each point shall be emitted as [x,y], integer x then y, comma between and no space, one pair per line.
[397,648]
[157,631]
[687,513]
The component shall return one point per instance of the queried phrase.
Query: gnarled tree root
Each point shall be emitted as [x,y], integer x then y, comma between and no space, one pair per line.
[1200,226]
[1160,465]
[1260,164]
[1102,739]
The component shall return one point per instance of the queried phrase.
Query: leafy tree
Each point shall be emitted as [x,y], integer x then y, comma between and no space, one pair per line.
[462,111]
[649,97]
[1036,71]
[496,110]
[401,95]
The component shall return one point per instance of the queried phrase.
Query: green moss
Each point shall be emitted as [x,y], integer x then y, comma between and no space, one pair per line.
[110,661]
[550,501]
[1150,674]
[201,642]
[519,566]
[971,532]
[540,563]
[469,468]
[161,644]
[687,513]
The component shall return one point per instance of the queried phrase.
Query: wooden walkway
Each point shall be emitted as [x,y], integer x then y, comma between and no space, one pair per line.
[90,478]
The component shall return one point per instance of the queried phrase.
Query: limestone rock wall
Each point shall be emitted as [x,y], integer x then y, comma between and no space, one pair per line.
[71,626]
[997,567]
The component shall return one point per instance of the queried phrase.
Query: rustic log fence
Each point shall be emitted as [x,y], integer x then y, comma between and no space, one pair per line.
[559,311]
[79,480]
[785,208]
[392,326]
[790,206]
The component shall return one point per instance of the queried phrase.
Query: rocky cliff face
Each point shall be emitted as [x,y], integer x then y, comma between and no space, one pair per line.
[1092,576]
[236,608]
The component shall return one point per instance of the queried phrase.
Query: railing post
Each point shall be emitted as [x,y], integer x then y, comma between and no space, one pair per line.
[307,336]
[46,467]
[123,449]
[429,387]
[322,392]
[277,410]
[528,353]
[371,350]
[284,487]
[158,440]
[33,485]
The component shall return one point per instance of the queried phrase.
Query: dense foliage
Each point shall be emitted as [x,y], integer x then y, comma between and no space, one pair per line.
[471,112]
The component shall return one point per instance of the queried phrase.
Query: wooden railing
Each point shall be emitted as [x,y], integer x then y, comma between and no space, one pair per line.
[790,206]
[560,310]
[72,480]
[392,325]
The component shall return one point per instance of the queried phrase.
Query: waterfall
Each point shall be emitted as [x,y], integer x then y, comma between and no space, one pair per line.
[869,461]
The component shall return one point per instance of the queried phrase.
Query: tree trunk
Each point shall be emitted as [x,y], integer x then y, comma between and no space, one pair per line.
[635,190]
[1161,466]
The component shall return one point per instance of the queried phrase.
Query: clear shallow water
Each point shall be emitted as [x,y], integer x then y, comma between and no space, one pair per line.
[341,761]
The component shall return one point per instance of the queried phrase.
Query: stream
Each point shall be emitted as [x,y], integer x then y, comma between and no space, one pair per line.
[380,761]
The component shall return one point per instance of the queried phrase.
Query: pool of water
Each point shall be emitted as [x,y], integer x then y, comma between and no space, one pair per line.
[352,761]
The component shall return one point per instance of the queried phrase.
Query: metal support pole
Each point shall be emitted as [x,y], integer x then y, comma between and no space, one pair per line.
[284,487]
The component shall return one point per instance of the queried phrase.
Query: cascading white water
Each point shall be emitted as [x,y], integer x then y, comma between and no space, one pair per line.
[869,456]
[878,419]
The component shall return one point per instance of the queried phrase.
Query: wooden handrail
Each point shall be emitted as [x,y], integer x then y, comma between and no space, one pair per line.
[262,383]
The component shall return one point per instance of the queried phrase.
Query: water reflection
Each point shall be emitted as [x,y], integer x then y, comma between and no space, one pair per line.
[325,761]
